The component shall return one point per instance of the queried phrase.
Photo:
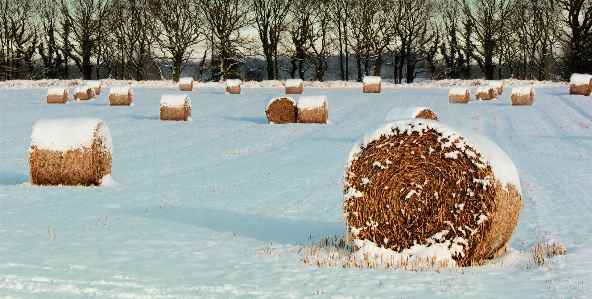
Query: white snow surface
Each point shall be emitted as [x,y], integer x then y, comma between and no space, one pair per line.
[82,88]
[56,90]
[484,88]
[311,102]
[120,89]
[523,89]
[222,207]
[403,113]
[93,83]
[69,133]
[580,79]
[186,80]
[272,99]
[495,83]
[174,100]
[293,82]
[233,82]
[459,90]
[371,79]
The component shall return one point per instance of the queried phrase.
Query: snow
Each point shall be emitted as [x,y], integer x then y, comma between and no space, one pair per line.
[372,79]
[580,79]
[484,88]
[174,100]
[69,133]
[233,82]
[224,206]
[186,80]
[403,112]
[272,99]
[56,90]
[81,88]
[120,89]
[458,90]
[495,83]
[311,102]
[522,89]
[293,82]
[93,83]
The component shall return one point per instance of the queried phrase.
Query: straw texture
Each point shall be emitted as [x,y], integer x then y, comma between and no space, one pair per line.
[282,111]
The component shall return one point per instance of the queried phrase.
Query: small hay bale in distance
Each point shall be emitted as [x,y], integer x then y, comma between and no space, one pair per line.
[175,107]
[71,151]
[294,86]
[186,84]
[57,94]
[459,94]
[580,84]
[96,84]
[313,109]
[372,84]
[282,110]
[233,86]
[485,93]
[410,112]
[498,84]
[522,95]
[84,93]
[417,181]
[121,95]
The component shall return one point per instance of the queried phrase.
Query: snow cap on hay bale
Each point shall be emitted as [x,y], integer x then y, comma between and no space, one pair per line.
[57,94]
[175,107]
[459,94]
[580,84]
[233,86]
[294,86]
[410,112]
[522,95]
[312,109]
[96,84]
[75,151]
[420,182]
[121,95]
[282,110]
[186,84]
[84,93]
[372,84]
[485,93]
[498,84]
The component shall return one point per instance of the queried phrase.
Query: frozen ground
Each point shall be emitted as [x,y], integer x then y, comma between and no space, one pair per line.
[219,206]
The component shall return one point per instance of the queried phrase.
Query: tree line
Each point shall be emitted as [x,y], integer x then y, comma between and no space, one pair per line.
[213,40]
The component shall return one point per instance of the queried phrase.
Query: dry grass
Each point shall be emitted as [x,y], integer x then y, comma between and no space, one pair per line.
[182,113]
[490,94]
[295,89]
[87,94]
[187,86]
[581,89]
[371,88]
[233,89]
[121,99]
[522,99]
[459,98]
[427,114]
[282,111]
[545,251]
[317,115]
[57,98]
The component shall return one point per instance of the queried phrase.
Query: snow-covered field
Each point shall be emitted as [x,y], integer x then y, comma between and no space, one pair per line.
[226,205]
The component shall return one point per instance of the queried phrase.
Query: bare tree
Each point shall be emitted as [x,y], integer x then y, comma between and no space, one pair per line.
[270,20]
[300,22]
[49,49]
[578,38]
[320,37]
[341,11]
[18,38]
[451,49]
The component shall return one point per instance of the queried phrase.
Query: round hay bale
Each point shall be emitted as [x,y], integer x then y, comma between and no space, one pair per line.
[84,93]
[175,107]
[313,109]
[498,84]
[96,84]
[282,110]
[416,181]
[372,84]
[459,94]
[233,86]
[580,84]
[410,112]
[294,86]
[72,152]
[522,95]
[121,95]
[57,95]
[485,93]
[186,84]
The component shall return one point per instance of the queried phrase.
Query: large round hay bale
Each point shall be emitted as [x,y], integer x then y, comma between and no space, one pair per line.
[498,84]
[294,86]
[485,93]
[186,84]
[580,84]
[121,95]
[459,94]
[73,152]
[57,95]
[96,84]
[313,109]
[410,112]
[233,86]
[372,84]
[417,181]
[282,110]
[175,107]
[522,95]
[84,93]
